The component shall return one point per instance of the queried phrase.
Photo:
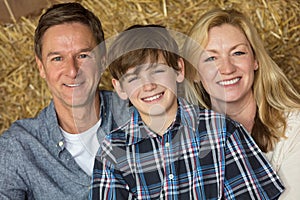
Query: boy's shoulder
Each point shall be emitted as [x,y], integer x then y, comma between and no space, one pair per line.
[118,134]
[207,119]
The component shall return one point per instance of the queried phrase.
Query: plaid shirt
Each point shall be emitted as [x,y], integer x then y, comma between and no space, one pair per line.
[203,155]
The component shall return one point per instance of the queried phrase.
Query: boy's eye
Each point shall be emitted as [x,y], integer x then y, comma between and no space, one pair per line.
[132,79]
[159,70]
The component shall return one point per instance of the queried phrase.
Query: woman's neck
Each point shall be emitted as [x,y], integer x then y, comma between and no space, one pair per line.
[242,111]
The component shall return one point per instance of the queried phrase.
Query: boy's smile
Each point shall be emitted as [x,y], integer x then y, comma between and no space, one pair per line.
[153,98]
[152,89]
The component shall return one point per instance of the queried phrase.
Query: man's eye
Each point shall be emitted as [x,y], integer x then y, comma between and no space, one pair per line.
[83,56]
[56,59]
[209,59]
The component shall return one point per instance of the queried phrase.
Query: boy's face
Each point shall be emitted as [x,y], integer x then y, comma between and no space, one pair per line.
[151,87]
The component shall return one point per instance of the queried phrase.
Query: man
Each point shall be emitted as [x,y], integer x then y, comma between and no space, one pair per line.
[52,156]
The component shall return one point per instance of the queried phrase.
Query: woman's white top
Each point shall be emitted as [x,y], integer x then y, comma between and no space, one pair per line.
[285,158]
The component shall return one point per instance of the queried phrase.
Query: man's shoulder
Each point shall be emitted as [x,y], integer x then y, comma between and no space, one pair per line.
[30,126]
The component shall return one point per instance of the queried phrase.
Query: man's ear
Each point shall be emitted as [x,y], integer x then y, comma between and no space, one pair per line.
[118,88]
[40,67]
[180,73]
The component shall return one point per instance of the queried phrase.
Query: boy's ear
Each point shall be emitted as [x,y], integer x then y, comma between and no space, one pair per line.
[40,67]
[118,88]
[180,73]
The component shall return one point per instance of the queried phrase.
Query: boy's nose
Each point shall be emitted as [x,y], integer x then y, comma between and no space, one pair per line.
[149,86]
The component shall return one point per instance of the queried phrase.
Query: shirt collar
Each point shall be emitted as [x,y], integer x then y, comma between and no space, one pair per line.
[54,128]
[137,130]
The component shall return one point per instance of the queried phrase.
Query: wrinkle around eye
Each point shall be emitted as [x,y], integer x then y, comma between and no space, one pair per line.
[209,59]
[132,79]
[239,53]
[56,59]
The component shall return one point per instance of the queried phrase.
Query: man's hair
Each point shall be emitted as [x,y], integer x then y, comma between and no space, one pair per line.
[68,13]
[137,44]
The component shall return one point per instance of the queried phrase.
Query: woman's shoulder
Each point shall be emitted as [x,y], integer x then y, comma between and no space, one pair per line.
[293,124]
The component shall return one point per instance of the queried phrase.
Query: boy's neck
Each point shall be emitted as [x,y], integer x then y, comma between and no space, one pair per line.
[159,123]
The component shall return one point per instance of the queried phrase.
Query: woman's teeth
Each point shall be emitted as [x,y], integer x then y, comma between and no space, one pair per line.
[229,82]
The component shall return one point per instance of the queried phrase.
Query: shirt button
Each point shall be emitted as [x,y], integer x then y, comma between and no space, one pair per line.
[171,176]
[61,143]
[167,144]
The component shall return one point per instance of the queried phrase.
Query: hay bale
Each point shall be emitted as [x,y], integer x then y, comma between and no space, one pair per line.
[23,93]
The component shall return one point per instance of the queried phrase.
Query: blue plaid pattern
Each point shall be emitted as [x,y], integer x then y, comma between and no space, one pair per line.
[203,155]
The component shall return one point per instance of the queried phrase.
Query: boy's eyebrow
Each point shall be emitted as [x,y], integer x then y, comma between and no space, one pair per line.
[138,69]
[128,74]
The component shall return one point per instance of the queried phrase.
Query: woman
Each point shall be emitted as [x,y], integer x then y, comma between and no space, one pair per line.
[228,70]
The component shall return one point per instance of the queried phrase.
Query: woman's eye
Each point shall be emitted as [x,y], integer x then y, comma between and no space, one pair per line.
[212,58]
[238,53]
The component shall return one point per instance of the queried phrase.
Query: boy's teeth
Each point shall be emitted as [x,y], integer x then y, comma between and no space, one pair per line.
[229,82]
[152,98]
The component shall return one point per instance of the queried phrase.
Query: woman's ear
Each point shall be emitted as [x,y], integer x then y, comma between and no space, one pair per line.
[118,88]
[180,73]
[256,65]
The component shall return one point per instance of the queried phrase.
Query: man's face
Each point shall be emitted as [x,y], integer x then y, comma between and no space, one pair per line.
[70,65]
[151,88]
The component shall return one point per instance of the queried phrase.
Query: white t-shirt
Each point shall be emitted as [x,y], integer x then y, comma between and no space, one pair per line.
[83,147]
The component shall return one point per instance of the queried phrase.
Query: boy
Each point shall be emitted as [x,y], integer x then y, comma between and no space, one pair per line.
[170,149]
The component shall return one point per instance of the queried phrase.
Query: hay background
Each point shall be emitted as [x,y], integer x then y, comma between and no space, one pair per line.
[23,93]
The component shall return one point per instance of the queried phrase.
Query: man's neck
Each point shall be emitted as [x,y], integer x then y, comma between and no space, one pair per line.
[79,119]
[241,111]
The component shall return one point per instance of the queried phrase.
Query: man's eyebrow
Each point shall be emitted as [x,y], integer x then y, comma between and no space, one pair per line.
[53,53]
[89,49]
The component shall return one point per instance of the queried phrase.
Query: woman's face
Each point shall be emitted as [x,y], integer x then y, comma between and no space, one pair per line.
[227,65]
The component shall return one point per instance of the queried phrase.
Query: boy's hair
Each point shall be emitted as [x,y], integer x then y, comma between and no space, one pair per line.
[137,44]
[68,13]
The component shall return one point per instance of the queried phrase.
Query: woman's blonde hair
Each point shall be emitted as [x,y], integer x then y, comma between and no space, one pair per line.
[274,94]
